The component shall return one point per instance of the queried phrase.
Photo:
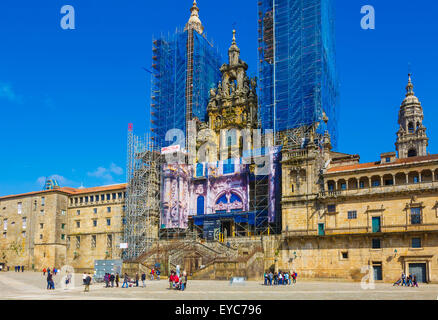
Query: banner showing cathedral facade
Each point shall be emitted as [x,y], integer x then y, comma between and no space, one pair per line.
[219,188]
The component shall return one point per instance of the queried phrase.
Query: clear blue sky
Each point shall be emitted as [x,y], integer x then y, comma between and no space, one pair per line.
[67,96]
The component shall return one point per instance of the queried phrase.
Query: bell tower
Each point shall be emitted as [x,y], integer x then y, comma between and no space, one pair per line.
[412,140]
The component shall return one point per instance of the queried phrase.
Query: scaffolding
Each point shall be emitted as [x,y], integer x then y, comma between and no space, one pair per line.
[297,65]
[185,66]
[143,196]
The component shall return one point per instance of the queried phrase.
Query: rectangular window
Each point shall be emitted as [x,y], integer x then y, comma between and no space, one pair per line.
[62,225]
[5,234]
[93,241]
[43,201]
[23,234]
[86,199]
[415,215]
[78,212]
[19,207]
[42,212]
[114,196]
[108,209]
[119,195]
[376,244]
[41,225]
[331,208]
[388,160]
[41,237]
[78,242]
[108,196]
[94,223]
[361,185]
[343,186]
[102,197]
[352,215]
[416,242]
[345,255]
[95,210]
[108,222]
[321,229]
[78,224]
[124,208]
[62,236]
[109,241]
[81,200]
[76,200]
[91,198]
[63,212]
[24,222]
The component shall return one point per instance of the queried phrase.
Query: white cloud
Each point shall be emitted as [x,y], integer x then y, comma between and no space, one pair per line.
[8,93]
[106,174]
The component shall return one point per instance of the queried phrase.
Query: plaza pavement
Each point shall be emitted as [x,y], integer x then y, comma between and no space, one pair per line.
[32,285]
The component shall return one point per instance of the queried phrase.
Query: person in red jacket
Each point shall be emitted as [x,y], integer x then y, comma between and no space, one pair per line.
[171,279]
[176,281]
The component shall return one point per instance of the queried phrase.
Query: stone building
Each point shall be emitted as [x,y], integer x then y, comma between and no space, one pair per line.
[342,218]
[50,228]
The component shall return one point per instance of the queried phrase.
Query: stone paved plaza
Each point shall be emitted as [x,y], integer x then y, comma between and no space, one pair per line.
[30,285]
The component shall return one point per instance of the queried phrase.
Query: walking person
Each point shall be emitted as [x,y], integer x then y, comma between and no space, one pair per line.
[44,271]
[22,268]
[136,279]
[414,281]
[152,273]
[403,277]
[84,277]
[265,275]
[143,279]
[410,280]
[294,277]
[106,279]
[87,283]
[184,280]
[158,272]
[67,280]
[117,279]
[125,281]
[271,276]
[112,278]
[49,281]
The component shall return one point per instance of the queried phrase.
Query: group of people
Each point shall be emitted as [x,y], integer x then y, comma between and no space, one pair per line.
[155,273]
[280,278]
[54,271]
[111,278]
[176,281]
[409,281]
[18,268]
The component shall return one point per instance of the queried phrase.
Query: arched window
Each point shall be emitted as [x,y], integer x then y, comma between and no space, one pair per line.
[412,153]
[411,128]
[200,205]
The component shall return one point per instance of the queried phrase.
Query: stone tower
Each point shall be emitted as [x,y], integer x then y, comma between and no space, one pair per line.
[194,21]
[411,137]
[232,109]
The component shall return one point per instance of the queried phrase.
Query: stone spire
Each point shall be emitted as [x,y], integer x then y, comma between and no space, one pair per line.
[194,21]
[412,140]
[234,51]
